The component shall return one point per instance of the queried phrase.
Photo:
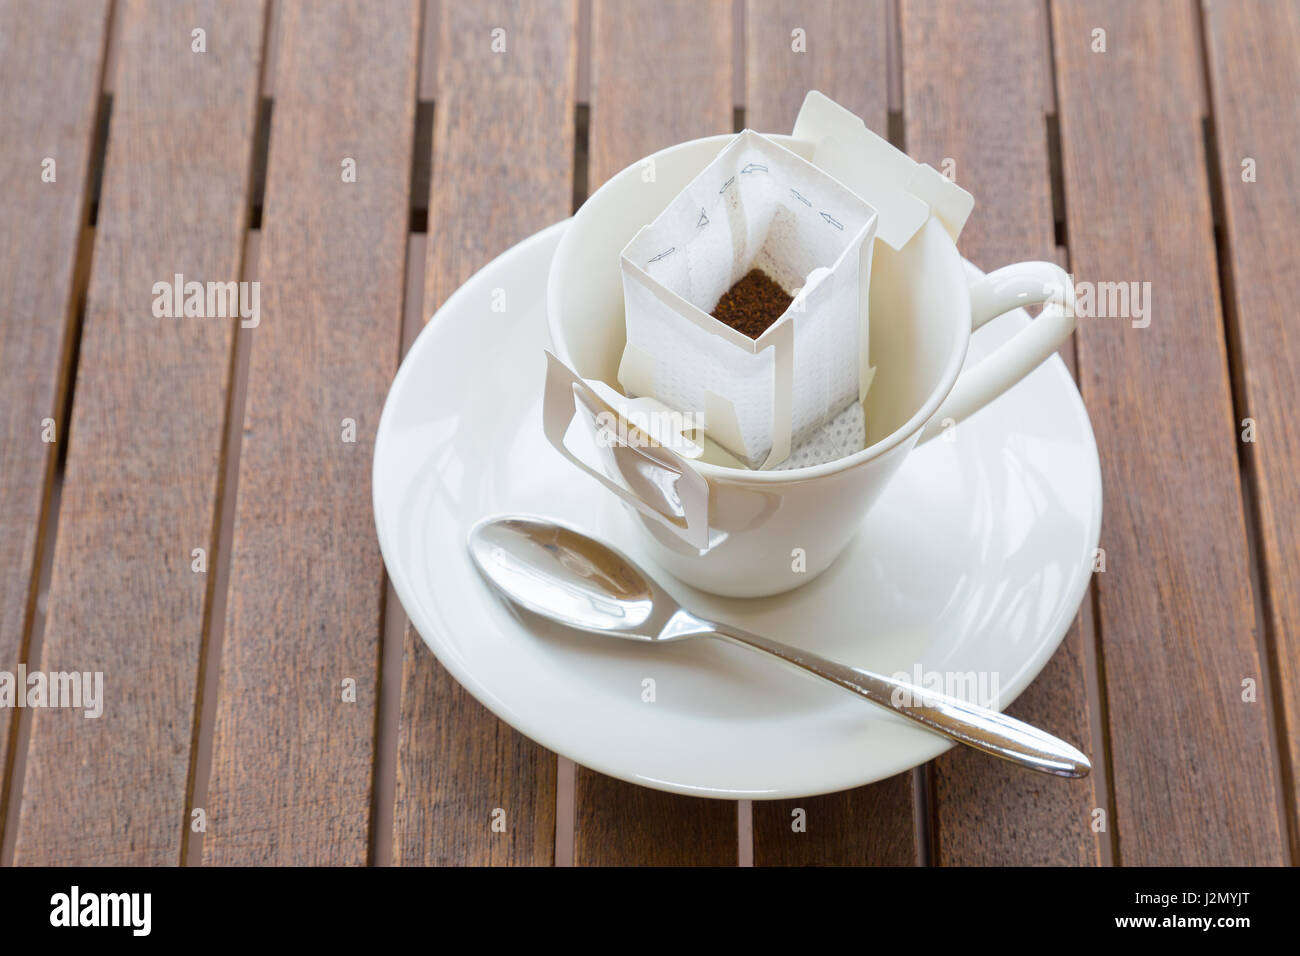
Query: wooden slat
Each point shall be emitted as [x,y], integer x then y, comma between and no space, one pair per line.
[660,74]
[620,824]
[44,113]
[869,826]
[146,436]
[991,121]
[1254,61]
[963,103]
[502,170]
[846,58]
[292,769]
[1195,778]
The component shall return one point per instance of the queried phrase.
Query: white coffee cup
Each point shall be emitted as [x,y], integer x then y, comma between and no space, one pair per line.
[922,315]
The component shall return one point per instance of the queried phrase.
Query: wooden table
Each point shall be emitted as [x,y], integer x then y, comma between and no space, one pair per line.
[182,506]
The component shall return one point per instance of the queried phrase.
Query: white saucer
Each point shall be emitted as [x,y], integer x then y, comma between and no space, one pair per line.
[975,560]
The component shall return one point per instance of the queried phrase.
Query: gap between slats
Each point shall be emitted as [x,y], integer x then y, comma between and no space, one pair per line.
[393,631]
[11,801]
[209,674]
[565,769]
[14,772]
[924,830]
[1089,613]
[1266,639]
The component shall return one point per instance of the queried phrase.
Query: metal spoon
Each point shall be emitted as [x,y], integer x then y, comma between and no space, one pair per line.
[560,573]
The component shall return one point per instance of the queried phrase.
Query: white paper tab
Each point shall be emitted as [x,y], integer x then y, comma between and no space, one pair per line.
[904,192]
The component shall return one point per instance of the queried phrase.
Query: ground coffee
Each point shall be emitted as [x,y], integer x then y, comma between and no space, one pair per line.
[752,304]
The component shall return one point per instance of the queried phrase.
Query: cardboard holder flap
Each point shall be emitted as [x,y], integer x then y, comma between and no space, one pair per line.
[685,491]
[904,192]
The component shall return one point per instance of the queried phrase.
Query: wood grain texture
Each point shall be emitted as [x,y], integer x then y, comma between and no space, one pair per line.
[292,769]
[1254,61]
[845,58]
[990,122]
[50,114]
[621,824]
[660,75]
[1195,778]
[502,169]
[869,826]
[503,134]
[144,464]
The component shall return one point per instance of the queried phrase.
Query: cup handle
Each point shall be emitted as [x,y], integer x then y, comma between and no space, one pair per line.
[679,488]
[1011,287]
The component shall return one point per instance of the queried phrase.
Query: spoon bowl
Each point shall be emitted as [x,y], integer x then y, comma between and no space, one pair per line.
[562,574]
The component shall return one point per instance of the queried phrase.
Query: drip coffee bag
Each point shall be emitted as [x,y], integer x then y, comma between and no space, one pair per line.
[746,304]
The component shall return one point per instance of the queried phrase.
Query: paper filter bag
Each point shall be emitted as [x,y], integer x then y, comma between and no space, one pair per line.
[756,205]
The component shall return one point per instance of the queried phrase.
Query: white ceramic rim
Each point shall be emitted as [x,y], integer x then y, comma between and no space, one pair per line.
[901,434]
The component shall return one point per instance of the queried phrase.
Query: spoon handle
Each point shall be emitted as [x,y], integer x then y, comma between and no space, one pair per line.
[977,727]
